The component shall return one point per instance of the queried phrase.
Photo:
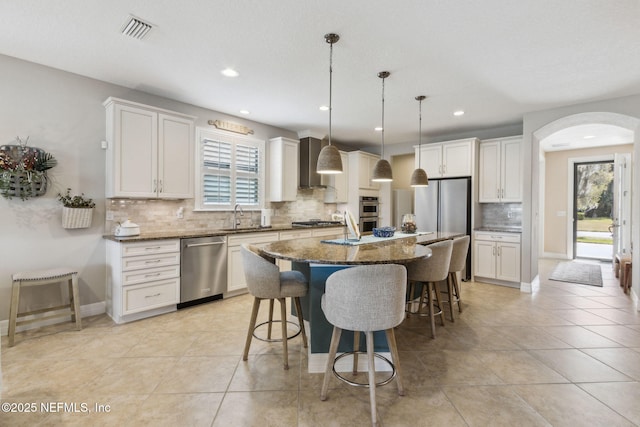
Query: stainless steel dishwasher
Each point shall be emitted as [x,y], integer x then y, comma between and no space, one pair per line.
[203,269]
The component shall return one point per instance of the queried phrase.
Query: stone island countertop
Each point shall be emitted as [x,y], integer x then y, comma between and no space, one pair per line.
[383,251]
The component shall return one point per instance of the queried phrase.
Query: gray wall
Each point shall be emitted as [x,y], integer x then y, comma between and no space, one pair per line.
[62,113]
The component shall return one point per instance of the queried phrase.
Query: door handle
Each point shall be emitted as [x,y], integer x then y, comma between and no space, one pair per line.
[194,245]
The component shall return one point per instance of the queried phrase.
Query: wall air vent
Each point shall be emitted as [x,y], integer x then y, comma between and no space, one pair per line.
[136,28]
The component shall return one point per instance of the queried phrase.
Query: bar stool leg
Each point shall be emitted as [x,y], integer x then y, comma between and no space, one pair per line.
[451,296]
[432,316]
[296,300]
[356,348]
[13,311]
[372,378]
[333,349]
[456,288]
[283,316]
[437,297]
[393,347]
[270,319]
[75,301]
[252,325]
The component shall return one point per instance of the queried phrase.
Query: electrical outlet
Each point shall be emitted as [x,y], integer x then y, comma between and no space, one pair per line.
[180,213]
[109,215]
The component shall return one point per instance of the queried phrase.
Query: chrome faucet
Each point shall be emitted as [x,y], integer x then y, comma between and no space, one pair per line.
[236,221]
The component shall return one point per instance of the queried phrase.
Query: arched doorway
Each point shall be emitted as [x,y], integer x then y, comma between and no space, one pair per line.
[577,136]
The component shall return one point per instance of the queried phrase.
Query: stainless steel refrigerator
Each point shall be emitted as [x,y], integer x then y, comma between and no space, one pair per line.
[445,205]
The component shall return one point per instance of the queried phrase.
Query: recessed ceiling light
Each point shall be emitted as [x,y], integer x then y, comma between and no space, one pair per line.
[458,113]
[378,129]
[229,72]
[324,108]
[589,136]
[244,112]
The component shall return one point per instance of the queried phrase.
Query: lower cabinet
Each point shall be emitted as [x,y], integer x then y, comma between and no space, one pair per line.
[236,282]
[143,279]
[497,256]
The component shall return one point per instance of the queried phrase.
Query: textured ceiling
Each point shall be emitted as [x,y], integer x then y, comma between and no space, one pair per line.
[496,60]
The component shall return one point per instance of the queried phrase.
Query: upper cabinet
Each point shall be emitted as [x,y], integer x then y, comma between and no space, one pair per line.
[361,166]
[150,151]
[338,184]
[283,169]
[500,171]
[447,159]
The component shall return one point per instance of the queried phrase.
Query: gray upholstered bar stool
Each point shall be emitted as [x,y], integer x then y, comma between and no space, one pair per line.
[457,264]
[265,281]
[365,299]
[429,271]
[44,277]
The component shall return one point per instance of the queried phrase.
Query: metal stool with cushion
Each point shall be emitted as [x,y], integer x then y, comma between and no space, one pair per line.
[265,281]
[44,277]
[457,264]
[429,271]
[365,299]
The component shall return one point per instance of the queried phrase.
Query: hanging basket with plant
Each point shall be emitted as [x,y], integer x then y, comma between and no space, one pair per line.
[23,170]
[77,211]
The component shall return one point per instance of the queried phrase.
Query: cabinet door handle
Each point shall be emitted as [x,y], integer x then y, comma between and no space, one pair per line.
[155,186]
[152,275]
[497,193]
[502,194]
[494,251]
[160,186]
[154,248]
[499,251]
[152,296]
[154,261]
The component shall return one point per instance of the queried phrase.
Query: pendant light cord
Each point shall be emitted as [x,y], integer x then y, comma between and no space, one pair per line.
[330,87]
[419,132]
[382,151]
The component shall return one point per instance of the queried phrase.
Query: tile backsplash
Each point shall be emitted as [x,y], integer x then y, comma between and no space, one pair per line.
[162,215]
[501,214]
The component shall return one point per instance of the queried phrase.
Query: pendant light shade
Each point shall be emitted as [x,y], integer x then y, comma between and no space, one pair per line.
[419,177]
[382,169]
[329,160]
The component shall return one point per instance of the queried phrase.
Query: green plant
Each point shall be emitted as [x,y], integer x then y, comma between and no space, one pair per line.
[69,201]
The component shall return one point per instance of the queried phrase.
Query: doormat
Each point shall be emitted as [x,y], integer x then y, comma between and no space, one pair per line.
[577,272]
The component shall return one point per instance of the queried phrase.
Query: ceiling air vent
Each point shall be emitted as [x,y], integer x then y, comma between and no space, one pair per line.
[136,28]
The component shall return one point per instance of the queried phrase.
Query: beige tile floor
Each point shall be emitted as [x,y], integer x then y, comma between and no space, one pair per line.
[567,355]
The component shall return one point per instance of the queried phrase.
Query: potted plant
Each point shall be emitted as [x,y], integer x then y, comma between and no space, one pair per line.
[77,211]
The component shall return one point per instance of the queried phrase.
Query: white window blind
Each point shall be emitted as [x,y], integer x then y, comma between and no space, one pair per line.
[231,171]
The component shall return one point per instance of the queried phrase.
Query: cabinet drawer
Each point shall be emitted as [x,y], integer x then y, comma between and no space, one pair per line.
[150,295]
[498,237]
[150,247]
[150,274]
[328,232]
[254,238]
[297,234]
[150,261]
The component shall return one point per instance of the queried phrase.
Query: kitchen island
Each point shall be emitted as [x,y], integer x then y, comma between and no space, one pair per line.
[318,259]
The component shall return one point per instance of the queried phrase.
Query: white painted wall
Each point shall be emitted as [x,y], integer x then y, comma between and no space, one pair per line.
[62,113]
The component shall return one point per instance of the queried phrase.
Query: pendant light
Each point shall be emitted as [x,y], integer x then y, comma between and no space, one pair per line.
[419,177]
[382,169]
[329,160]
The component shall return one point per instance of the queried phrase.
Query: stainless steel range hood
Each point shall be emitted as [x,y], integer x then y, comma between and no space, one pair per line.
[309,151]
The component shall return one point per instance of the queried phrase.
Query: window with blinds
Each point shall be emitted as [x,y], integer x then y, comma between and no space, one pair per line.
[231,171]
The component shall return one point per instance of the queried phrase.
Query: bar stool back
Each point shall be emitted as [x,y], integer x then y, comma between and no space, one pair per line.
[366,298]
[265,281]
[457,264]
[43,277]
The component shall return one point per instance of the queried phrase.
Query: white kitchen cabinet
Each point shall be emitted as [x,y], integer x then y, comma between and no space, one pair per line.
[447,159]
[497,256]
[236,282]
[361,166]
[283,169]
[150,151]
[143,279]
[500,171]
[337,184]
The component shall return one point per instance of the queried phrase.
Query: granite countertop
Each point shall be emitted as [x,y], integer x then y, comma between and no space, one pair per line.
[186,234]
[395,251]
[497,229]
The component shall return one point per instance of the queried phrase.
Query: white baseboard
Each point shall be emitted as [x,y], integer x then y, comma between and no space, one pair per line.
[85,311]
[554,255]
[529,288]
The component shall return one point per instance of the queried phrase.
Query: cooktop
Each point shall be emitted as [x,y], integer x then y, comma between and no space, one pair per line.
[314,223]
